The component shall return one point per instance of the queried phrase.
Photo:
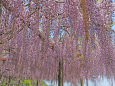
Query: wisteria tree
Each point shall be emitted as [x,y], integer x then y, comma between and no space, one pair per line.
[61,40]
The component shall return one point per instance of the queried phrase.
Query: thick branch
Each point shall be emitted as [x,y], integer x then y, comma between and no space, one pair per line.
[83,2]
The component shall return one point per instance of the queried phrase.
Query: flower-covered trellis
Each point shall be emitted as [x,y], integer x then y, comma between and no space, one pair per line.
[64,40]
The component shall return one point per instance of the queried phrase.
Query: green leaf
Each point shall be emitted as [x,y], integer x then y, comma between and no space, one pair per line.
[99,1]
[3,84]
[81,57]
[27,82]
[42,83]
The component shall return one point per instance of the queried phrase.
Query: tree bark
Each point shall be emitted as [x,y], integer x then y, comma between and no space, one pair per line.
[60,74]
[87,82]
[81,81]
[37,83]
[9,80]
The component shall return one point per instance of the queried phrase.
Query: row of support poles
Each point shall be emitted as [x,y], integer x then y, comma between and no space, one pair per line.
[60,75]
[81,82]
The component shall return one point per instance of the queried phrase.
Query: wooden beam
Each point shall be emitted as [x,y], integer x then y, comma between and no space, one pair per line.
[85,18]
[60,73]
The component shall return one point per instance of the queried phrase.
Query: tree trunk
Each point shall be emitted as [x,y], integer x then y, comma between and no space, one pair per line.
[60,74]
[19,83]
[81,81]
[87,82]
[37,83]
[9,80]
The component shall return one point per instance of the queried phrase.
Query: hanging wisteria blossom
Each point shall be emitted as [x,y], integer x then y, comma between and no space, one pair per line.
[60,40]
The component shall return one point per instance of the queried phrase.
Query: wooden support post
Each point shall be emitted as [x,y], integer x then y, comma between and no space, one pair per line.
[81,81]
[60,74]
[85,18]
[37,83]
[87,82]
[9,80]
